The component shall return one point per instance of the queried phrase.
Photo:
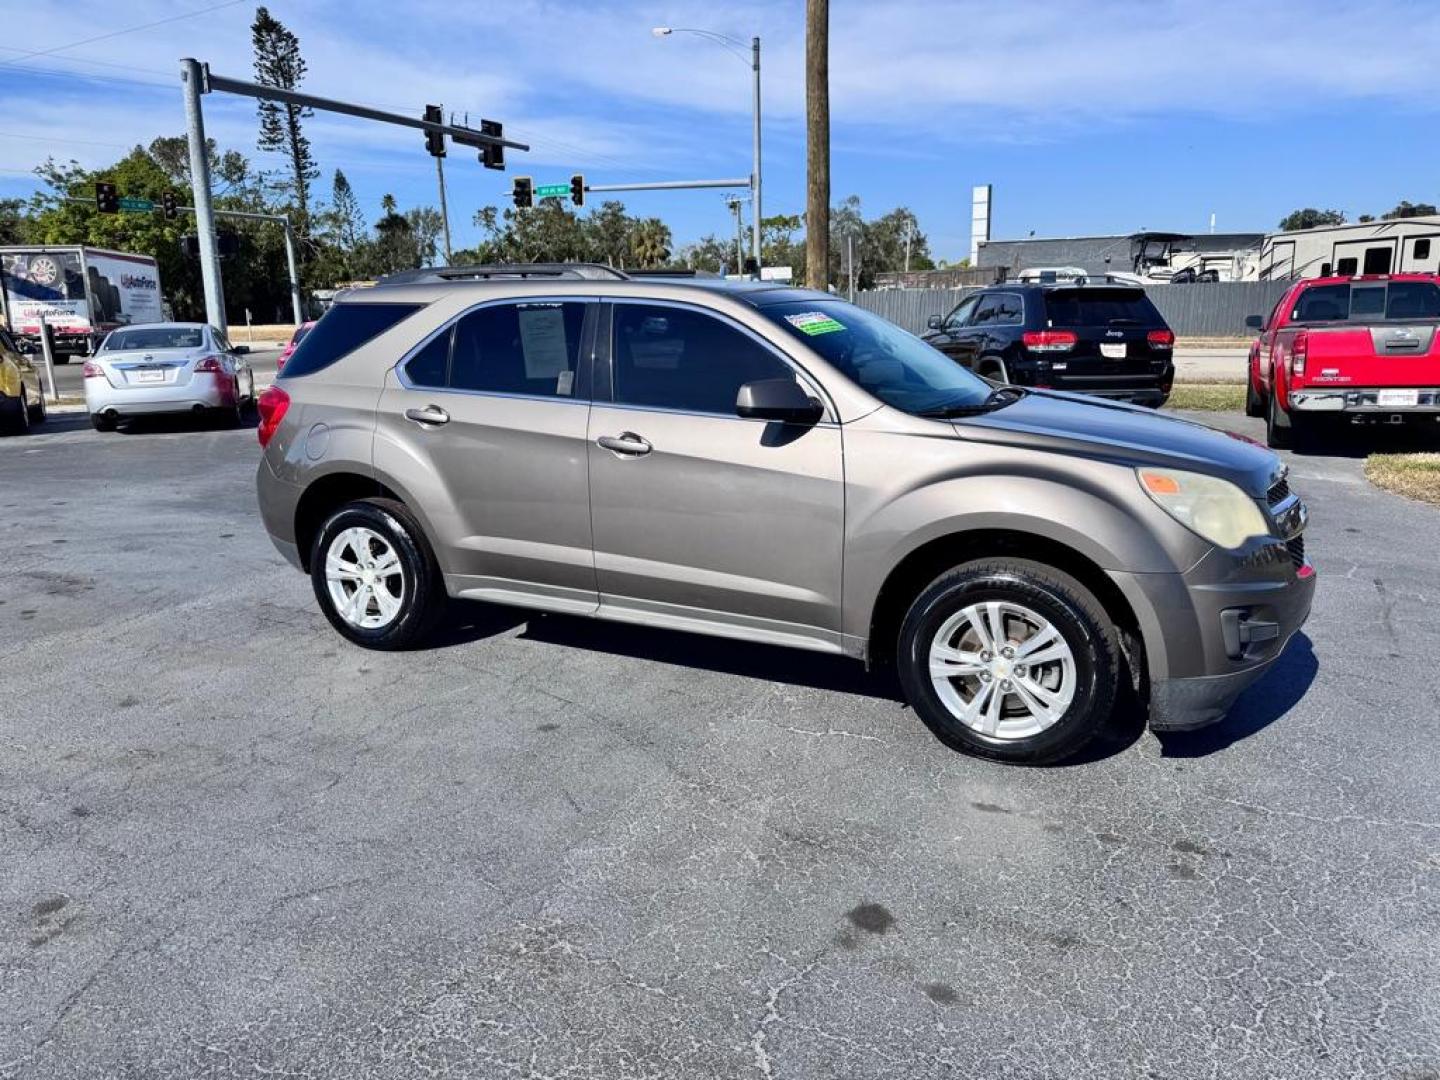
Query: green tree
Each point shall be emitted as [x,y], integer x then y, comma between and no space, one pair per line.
[346,218]
[395,240]
[607,233]
[712,253]
[425,228]
[15,223]
[650,242]
[1406,209]
[1310,218]
[278,63]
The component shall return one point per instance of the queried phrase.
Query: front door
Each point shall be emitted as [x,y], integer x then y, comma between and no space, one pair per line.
[702,519]
[488,420]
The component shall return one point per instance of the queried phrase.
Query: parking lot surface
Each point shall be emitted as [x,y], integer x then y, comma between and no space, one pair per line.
[235,845]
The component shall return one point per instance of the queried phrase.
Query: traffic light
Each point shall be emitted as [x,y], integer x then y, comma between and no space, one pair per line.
[107,201]
[190,247]
[577,189]
[434,140]
[491,156]
[167,203]
[524,193]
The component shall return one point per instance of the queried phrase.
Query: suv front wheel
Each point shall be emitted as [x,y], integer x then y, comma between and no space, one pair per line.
[375,577]
[1010,659]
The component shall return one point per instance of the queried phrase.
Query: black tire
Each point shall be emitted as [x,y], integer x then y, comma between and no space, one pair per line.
[422,600]
[1063,602]
[1254,403]
[102,422]
[15,415]
[38,413]
[1278,435]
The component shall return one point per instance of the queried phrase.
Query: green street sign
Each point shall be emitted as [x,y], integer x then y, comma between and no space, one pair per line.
[545,191]
[138,206]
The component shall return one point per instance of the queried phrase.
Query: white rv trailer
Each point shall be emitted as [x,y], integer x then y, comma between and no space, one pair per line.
[1400,245]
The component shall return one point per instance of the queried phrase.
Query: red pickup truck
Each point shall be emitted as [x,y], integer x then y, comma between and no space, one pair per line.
[1347,350]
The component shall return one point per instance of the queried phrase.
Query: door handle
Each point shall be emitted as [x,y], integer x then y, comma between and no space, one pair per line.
[627,443]
[430,414]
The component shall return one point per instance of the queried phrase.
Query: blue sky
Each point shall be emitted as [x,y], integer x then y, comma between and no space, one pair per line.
[1088,116]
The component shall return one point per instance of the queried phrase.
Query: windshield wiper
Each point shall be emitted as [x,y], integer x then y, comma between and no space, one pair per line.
[996,399]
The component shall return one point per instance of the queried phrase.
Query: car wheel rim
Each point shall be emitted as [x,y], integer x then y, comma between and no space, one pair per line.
[1002,670]
[365,578]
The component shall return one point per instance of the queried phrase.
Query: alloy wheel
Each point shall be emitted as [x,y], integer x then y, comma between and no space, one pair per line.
[365,578]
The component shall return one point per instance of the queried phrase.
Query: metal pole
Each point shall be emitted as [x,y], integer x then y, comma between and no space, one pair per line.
[755,176]
[49,349]
[909,232]
[190,75]
[671,185]
[850,261]
[444,209]
[294,277]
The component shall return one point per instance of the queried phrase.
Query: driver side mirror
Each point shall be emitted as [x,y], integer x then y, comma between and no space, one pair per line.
[240,350]
[935,322]
[1255,322]
[784,400]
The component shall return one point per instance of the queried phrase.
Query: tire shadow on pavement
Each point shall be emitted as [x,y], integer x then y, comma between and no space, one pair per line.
[1267,701]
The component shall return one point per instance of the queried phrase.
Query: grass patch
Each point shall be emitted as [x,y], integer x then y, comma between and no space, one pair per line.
[1413,475]
[1207,397]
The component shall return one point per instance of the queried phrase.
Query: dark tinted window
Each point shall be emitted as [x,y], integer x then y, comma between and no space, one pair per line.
[961,315]
[1377,260]
[1368,302]
[518,349]
[1347,267]
[1007,309]
[1101,307]
[988,311]
[430,366]
[678,359]
[344,328]
[1422,249]
[895,367]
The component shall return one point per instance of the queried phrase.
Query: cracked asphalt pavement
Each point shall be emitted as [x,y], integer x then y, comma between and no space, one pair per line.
[233,845]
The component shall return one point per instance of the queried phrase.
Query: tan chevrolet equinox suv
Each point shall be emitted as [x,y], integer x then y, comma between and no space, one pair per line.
[775,465]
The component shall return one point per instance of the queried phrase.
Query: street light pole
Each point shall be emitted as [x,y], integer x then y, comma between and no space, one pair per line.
[737,47]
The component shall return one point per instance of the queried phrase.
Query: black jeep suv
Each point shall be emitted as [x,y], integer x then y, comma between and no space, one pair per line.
[1107,340]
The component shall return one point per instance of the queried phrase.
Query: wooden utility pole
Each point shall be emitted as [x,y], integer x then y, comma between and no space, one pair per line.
[817,120]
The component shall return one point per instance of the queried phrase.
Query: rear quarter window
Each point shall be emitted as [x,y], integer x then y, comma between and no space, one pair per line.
[1101,307]
[342,330]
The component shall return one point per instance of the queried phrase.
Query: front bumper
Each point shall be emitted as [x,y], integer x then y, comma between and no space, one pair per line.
[1213,631]
[201,392]
[1363,401]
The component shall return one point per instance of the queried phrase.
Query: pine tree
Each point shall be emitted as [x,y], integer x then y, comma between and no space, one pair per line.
[278,63]
[349,218]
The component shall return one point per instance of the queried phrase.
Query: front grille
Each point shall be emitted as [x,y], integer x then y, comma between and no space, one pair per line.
[1297,551]
[1279,491]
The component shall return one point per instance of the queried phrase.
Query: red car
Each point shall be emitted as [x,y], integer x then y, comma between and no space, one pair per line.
[295,339]
[1350,350]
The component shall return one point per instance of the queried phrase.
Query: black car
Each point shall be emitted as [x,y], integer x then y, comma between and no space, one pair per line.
[1107,340]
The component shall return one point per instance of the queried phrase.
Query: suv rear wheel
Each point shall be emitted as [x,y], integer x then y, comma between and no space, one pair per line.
[375,577]
[1010,659]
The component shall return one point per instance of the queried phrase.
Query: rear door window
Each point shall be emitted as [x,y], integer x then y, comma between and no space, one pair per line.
[342,330]
[1101,307]
[520,348]
[1368,302]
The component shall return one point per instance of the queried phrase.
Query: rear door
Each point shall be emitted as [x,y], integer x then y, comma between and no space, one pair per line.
[704,519]
[486,421]
[1112,348]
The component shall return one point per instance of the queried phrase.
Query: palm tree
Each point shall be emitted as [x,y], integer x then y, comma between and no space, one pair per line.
[650,242]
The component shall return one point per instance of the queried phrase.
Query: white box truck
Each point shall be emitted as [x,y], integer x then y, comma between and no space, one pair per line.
[82,292]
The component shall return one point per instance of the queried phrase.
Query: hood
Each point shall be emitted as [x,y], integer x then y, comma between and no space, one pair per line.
[1127,435]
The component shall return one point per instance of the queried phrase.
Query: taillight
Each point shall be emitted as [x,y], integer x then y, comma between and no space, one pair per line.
[211,365]
[1298,348]
[92,370]
[1049,340]
[272,404]
[1161,339]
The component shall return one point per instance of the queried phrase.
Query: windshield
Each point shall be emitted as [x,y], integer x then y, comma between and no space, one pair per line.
[896,367]
[1368,301]
[154,337]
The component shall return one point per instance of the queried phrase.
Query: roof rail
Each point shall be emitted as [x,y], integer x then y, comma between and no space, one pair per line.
[484,271]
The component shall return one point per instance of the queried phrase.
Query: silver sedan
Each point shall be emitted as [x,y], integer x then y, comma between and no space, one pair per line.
[167,368]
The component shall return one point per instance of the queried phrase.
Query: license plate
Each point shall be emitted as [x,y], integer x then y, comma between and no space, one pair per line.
[1113,351]
[1397,399]
[150,376]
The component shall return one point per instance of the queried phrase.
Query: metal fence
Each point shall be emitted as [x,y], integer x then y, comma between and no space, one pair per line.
[1216,309]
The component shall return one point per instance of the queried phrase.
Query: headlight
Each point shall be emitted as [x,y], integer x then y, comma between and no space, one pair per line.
[1215,509]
